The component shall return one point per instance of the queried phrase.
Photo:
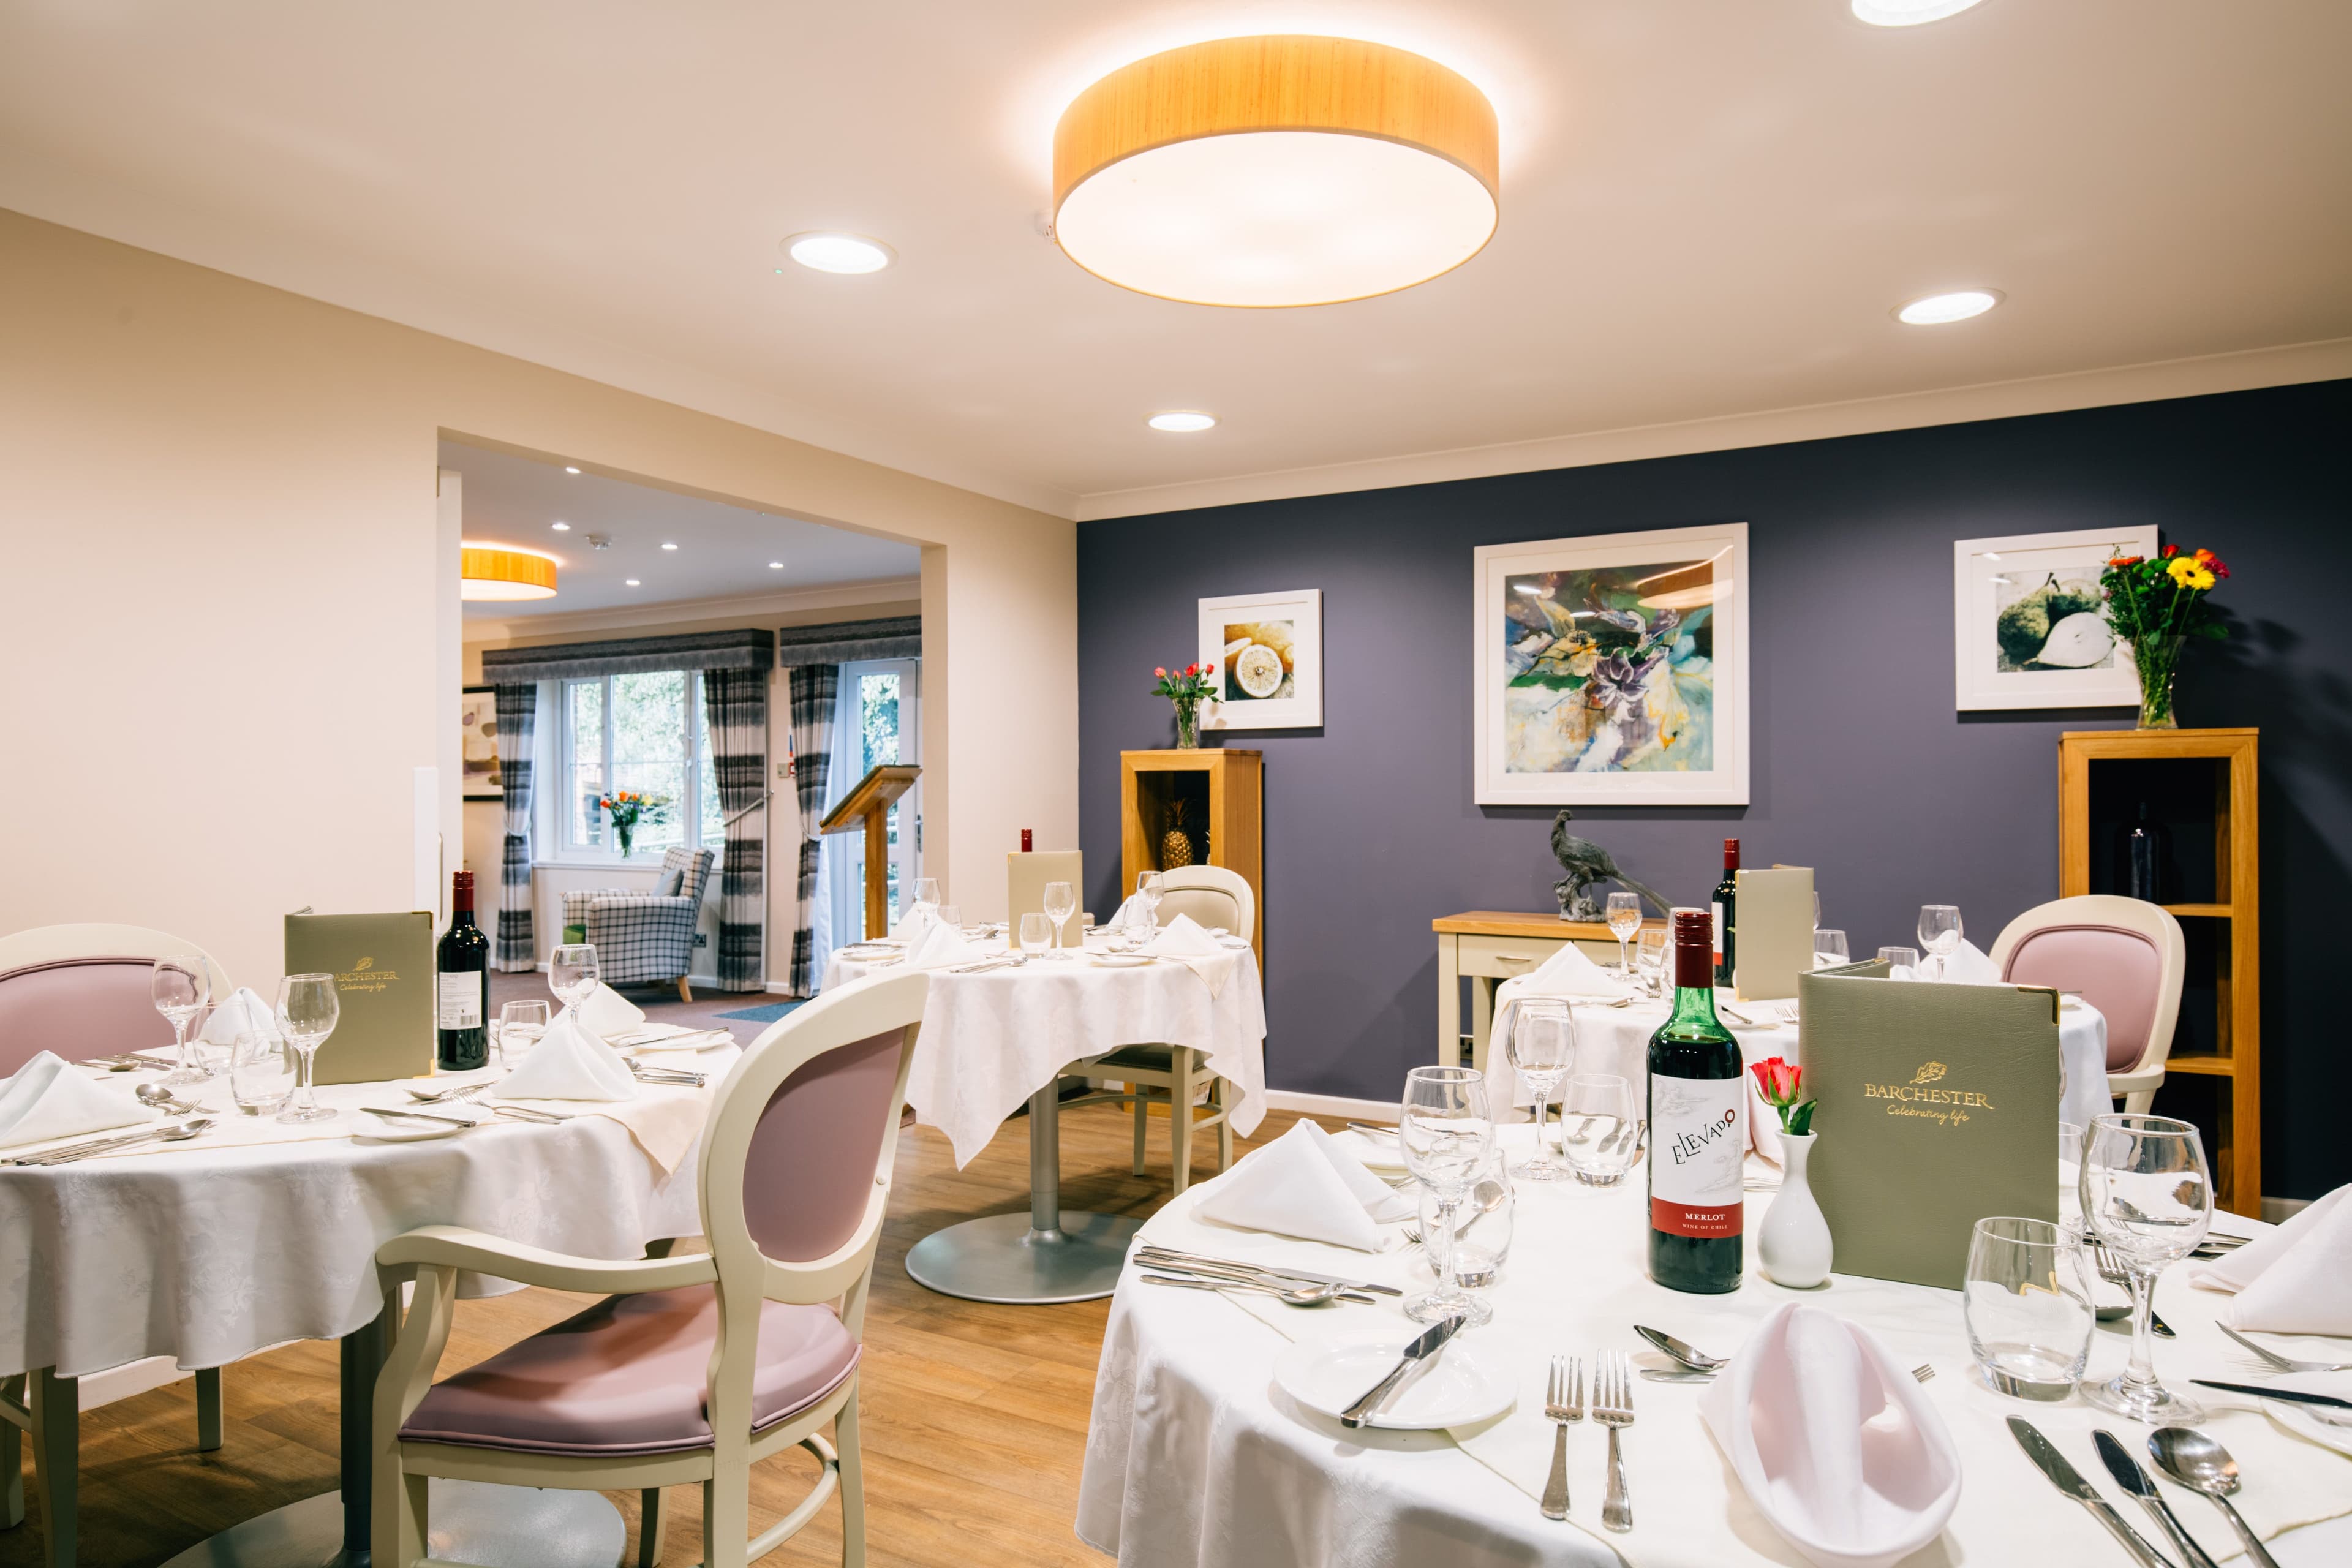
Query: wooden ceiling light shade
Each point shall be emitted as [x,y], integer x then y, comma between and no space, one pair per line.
[491,572]
[1275,170]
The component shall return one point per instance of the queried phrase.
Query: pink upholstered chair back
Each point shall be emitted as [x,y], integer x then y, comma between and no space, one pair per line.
[2118,972]
[809,1172]
[79,1008]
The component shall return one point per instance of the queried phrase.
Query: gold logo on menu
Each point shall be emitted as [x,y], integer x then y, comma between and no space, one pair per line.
[364,976]
[1945,1106]
[364,963]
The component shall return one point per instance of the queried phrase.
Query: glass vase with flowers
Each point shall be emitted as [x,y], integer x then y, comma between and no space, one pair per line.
[626,809]
[1187,688]
[2156,604]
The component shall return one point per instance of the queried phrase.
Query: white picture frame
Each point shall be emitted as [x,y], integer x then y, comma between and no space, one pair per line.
[477,745]
[1535,746]
[1240,621]
[1991,576]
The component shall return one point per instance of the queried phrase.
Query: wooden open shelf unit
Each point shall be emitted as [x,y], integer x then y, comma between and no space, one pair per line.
[1224,789]
[2208,780]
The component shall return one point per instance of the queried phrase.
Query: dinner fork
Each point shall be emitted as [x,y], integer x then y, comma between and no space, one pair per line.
[1563,1403]
[2284,1364]
[1613,1406]
[2112,1270]
[644,1074]
[436,1096]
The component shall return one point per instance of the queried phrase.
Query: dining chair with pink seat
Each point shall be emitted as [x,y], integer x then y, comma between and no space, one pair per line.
[692,1368]
[2126,957]
[81,991]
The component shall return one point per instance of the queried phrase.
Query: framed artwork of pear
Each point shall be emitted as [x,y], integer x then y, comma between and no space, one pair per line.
[2028,621]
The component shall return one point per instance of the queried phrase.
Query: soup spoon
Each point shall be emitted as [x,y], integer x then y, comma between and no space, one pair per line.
[179,1134]
[163,1098]
[2202,1464]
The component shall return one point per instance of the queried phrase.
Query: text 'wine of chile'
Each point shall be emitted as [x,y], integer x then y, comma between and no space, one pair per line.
[1699,1103]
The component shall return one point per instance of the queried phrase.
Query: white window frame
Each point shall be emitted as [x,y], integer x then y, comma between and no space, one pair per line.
[558,821]
[845,876]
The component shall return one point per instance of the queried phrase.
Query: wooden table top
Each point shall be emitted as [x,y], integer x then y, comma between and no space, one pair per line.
[1520,922]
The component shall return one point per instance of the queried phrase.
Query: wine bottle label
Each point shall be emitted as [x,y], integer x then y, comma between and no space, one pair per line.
[461,1001]
[1696,1143]
[1718,907]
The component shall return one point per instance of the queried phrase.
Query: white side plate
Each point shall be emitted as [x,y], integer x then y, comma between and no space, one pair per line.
[1459,1388]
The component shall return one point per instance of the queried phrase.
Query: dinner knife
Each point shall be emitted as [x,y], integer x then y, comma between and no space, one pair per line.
[2259,1392]
[2133,1479]
[1421,1350]
[2069,1480]
[1305,1276]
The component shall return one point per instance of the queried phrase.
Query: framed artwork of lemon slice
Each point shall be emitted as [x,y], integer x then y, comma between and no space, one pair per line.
[1267,650]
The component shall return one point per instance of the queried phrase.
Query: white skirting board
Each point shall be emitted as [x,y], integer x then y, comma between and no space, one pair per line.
[1331,1105]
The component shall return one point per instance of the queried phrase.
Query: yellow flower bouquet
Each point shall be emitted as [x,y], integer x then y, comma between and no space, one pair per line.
[2156,604]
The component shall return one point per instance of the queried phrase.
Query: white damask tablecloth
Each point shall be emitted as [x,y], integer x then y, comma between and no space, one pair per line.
[207,1253]
[988,1041]
[1195,1459]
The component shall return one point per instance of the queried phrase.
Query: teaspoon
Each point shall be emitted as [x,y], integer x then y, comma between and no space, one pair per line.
[1696,1360]
[1303,1296]
[179,1134]
[2202,1464]
[163,1098]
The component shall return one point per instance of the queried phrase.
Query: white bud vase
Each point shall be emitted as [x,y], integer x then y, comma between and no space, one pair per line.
[1792,1247]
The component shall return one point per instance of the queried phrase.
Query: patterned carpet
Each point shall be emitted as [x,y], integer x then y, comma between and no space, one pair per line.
[710,1009]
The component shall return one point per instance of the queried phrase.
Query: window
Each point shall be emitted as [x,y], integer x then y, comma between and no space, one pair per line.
[876,723]
[646,733]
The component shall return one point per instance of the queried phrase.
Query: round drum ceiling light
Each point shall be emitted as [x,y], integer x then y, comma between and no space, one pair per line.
[1275,170]
[502,571]
[1942,310]
[838,252]
[1908,13]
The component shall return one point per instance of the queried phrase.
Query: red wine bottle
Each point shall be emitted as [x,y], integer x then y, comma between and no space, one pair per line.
[1698,1131]
[1726,915]
[463,966]
[1027,838]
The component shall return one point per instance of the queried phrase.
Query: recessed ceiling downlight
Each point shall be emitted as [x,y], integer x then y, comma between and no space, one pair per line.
[1942,310]
[849,253]
[1275,170]
[1908,13]
[1183,421]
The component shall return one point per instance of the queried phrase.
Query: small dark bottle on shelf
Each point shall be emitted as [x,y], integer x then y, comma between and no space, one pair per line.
[1698,1136]
[462,978]
[2144,859]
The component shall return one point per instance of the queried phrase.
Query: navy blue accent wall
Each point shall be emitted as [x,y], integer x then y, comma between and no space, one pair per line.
[1862,768]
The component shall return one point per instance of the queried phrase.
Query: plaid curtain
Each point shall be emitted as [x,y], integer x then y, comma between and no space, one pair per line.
[816,691]
[518,716]
[737,703]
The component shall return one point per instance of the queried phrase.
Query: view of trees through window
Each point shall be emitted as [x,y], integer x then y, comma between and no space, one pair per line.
[645,732]
[877,709]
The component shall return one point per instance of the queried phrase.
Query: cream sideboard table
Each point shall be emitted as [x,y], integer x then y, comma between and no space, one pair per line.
[1491,946]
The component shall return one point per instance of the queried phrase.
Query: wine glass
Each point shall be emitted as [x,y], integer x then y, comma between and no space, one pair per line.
[1446,1131]
[1061,903]
[181,988]
[1649,956]
[926,896]
[2147,1197]
[1149,889]
[1037,933]
[2070,1180]
[572,975]
[1939,932]
[1906,958]
[1542,1048]
[950,916]
[521,1025]
[1624,920]
[307,1010]
[1817,911]
[1830,944]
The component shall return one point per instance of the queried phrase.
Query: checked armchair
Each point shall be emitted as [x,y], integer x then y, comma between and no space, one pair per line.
[643,938]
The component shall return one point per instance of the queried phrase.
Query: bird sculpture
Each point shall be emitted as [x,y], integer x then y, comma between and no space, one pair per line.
[1586,864]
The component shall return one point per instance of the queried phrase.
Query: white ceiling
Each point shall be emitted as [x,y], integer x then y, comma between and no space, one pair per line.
[1709,209]
[722,550]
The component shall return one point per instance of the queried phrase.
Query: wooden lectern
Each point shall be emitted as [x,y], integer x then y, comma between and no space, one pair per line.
[870,805]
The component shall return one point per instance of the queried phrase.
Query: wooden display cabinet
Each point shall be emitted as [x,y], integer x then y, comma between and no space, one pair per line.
[2200,786]
[1223,792]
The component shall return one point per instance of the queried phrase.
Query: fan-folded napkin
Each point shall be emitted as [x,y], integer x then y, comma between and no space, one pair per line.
[570,1063]
[244,1013]
[1183,940]
[48,1099]
[1306,1186]
[607,1012]
[1568,973]
[1836,1445]
[939,945]
[1970,967]
[2296,1279]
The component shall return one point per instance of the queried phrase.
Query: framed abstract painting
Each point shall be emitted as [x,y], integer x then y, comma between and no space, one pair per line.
[1612,669]
[1268,653]
[2027,627]
[477,744]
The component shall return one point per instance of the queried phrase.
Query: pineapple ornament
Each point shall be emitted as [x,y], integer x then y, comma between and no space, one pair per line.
[1175,844]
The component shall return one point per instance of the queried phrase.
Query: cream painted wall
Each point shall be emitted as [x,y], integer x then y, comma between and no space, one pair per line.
[219,613]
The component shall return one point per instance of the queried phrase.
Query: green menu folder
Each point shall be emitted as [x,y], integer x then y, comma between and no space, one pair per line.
[1939,1106]
[382,966]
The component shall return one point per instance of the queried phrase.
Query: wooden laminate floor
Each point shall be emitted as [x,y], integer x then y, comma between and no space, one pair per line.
[975,1415]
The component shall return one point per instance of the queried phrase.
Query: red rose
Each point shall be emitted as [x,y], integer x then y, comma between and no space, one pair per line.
[1211,669]
[1193,669]
[1777,1080]
[2171,550]
[1160,671]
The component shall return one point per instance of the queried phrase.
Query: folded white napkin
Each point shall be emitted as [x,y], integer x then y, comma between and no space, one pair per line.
[940,945]
[607,1012]
[1566,973]
[570,1063]
[1836,1447]
[49,1098]
[1306,1186]
[913,925]
[1183,940]
[244,1011]
[1970,967]
[2296,1279]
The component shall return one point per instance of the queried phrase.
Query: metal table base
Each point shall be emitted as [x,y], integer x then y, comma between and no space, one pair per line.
[1042,1256]
[497,1527]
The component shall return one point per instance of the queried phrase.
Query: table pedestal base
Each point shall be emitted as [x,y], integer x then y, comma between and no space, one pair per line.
[1003,1259]
[472,1522]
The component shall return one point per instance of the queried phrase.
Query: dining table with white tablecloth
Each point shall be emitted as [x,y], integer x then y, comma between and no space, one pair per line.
[1197,1456]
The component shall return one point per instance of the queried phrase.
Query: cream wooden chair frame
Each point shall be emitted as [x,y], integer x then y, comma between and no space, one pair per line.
[1147,1080]
[39,1405]
[2137,1084]
[743,1276]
